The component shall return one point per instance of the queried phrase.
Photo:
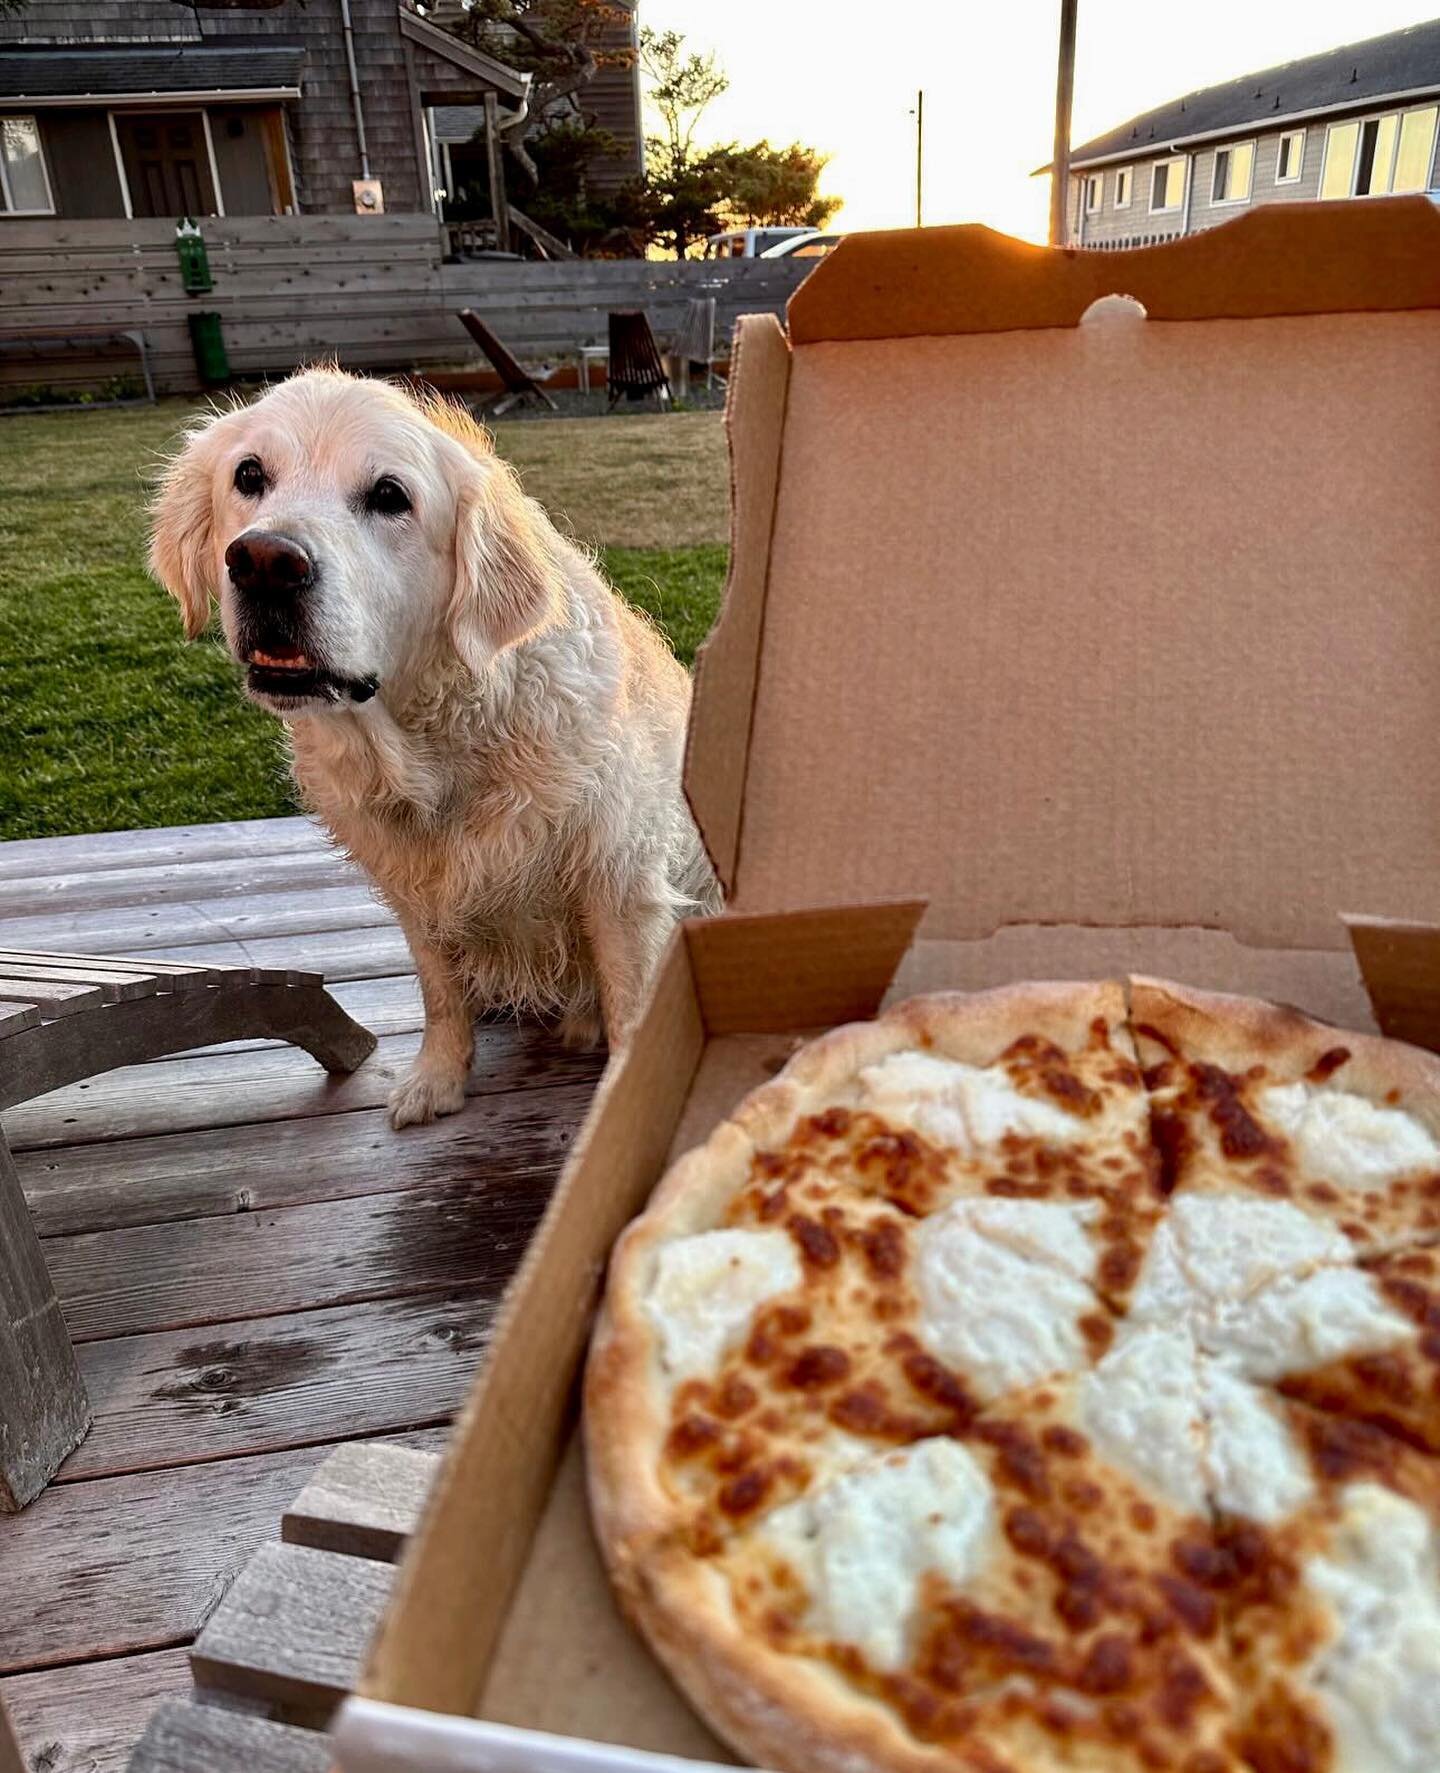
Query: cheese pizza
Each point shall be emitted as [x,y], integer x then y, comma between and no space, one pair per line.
[1043,1379]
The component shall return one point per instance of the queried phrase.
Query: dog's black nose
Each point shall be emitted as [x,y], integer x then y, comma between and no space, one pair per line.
[269,564]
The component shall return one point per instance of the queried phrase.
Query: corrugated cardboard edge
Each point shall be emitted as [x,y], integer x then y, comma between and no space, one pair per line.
[798,970]
[1400,964]
[717,746]
[440,1629]
[1284,258]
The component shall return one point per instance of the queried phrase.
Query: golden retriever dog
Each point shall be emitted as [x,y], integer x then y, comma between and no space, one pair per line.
[472,711]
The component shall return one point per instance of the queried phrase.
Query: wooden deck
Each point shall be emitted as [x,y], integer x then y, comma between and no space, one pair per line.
[253,1266]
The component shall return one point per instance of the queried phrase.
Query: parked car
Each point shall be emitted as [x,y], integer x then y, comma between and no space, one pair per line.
[749,243]
[812,244]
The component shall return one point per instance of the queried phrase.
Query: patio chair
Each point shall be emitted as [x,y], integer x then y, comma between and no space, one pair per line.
[520,383]
[695,342]
[635,366]
[66,1017]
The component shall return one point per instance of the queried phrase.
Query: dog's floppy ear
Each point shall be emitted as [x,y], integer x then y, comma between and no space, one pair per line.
[508,578]
[182,533]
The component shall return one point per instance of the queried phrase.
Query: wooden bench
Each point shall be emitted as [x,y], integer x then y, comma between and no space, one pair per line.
[288,1640]
[42,341]
[67,1017]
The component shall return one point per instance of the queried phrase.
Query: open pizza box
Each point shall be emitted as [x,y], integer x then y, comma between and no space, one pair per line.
[1060,641]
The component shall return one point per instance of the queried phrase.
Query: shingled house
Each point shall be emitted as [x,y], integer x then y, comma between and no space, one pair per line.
[1358,121]
[146,108]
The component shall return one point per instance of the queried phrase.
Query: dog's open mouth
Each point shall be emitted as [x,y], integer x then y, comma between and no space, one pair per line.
[285,675]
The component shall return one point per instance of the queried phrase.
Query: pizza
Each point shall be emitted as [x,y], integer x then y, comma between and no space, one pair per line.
[1042,1379]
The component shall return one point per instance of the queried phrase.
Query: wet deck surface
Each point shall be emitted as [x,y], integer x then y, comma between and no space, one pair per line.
[253,1266]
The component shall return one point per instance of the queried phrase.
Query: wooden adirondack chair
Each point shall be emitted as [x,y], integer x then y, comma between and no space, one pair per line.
[635,366]
[64,1017]
[520,384]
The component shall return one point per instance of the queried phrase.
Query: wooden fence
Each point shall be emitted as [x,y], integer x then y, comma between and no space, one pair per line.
[372,291]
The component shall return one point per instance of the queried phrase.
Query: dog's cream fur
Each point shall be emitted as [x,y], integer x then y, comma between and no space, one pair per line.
[513,787]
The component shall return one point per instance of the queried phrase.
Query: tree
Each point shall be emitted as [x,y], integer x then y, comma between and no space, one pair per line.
[693,192]
[776,187]
[560,44]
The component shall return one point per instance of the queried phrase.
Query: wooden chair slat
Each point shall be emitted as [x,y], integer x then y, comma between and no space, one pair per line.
[177,977]
[116,987]
[15,1017]
[183,1737]
[293,1629]
[364,1500]
[50,996]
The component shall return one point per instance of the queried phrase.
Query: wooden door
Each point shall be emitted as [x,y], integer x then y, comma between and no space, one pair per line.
[167,163]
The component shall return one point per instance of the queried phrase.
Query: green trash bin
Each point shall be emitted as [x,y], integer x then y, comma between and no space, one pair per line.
[208,343]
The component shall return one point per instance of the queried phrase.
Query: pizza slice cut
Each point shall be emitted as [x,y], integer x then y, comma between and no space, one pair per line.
[1263,1105]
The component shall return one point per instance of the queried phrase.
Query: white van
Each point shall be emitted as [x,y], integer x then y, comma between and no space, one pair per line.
[748,243]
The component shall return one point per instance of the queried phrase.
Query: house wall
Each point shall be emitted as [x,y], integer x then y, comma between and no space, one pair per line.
[325,150]
[1112,226]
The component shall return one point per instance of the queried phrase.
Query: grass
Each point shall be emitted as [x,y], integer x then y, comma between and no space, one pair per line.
[111,721]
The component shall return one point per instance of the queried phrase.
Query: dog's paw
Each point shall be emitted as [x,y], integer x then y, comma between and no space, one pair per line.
[582,1030]
[423,1096]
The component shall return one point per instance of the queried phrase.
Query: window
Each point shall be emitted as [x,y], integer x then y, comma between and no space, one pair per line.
[1122,187]
[1375,162]
[1337,179]
[1234,169]
[1380,155]
[1416,152]
[1094,192]
[1290,160]
[1167,185]
[24,181]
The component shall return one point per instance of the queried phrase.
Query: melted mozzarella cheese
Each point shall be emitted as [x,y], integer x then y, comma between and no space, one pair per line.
[1215,1249]
[862,1544]
[1379,1675]
[1346,1138]
[1253,1465]
[1142,1407]
[965,1107]
[1002,1287]
[706,1289]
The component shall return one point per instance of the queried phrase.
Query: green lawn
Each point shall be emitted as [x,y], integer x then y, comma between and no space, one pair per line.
[111,721]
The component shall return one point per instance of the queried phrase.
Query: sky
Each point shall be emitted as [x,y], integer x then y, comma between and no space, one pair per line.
[842,77]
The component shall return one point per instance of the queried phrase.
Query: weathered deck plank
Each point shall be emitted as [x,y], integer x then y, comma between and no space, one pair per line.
[233,877]
[435,1239]
[130,1564]
[29,857]
[282,1083]
[86,1718]
[289,1163]
[346,1373]
[141,930]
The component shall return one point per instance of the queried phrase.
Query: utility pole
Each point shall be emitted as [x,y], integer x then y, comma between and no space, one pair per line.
[919,157]
[1064,93]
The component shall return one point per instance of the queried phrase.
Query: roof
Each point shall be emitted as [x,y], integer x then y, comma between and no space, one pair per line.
[1355,75]
[58,72]
[484,68]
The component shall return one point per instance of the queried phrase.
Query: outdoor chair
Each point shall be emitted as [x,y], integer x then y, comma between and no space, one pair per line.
[520,383]
[67,1017]
[635,366]
[695,342]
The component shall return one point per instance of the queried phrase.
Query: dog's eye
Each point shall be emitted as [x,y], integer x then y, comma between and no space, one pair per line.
[387,498]
[250,478]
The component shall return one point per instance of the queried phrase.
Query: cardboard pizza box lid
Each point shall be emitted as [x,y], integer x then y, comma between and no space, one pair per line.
[1075,620]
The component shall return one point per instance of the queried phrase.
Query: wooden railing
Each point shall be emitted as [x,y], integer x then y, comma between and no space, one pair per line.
[373,292]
